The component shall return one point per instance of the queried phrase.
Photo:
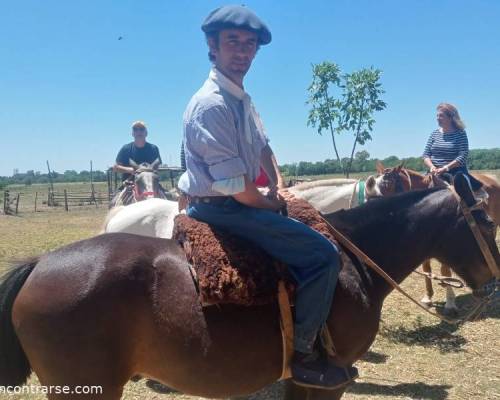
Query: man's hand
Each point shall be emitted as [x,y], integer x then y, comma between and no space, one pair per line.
[277,200]
[252,197]
[123,169]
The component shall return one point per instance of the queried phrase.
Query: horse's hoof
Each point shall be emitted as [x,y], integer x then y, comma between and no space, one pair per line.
[426,302]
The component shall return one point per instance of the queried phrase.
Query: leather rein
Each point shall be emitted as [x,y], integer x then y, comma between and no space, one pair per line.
[493,287]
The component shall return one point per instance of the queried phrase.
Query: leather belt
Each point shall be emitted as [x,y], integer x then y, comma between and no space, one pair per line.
[214,200]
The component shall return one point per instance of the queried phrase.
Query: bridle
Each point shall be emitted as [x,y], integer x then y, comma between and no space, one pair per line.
[467,213]
[141,195]
[491,289]
[398,179]
[399,188]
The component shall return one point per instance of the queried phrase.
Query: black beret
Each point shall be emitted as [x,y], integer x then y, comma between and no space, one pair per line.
[236,17]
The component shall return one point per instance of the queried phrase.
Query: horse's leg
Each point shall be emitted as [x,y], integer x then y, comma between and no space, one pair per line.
[91,373]
[429,292]
[450,307]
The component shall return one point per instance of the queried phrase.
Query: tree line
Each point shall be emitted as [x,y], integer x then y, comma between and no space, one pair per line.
[478,159]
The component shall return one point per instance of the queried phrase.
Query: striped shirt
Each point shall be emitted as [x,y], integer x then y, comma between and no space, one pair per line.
[443,148]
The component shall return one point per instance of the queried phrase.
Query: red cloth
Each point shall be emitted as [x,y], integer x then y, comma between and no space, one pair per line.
[262,180]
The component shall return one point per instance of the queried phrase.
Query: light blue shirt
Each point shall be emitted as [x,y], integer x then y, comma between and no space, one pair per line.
[217,152]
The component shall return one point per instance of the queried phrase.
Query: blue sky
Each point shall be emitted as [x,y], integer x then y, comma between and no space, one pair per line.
[69,89]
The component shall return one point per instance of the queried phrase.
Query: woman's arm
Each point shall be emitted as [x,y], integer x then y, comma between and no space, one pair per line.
[429,164]
[428,153]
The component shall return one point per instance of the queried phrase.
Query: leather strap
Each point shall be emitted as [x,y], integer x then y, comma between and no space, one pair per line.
[370,263]
[488,256]
[286,322]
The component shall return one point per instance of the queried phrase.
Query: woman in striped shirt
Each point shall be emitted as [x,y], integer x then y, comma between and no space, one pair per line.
[447,149]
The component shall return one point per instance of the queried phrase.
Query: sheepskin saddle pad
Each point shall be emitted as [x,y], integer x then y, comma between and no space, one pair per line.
[229,269]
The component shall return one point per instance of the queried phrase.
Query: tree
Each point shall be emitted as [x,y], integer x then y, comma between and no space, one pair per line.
[351,111]
[362,156]
[360,100]
[325,111]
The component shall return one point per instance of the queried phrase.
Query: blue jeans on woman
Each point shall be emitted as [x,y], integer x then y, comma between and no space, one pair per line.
[312,260]
[450,175]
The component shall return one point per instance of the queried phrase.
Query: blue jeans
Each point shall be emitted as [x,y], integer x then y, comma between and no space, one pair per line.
[312,260]
[448,176]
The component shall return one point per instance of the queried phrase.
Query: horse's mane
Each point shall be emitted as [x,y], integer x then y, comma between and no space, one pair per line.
[414,173]
[426,179]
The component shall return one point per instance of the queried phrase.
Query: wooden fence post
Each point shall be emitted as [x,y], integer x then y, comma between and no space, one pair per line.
[51,188]
[6,202]
[36,198]
[110,180]
[17,202]
[66,200]
[172,179]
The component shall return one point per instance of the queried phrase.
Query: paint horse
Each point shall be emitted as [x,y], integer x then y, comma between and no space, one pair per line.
[399,179]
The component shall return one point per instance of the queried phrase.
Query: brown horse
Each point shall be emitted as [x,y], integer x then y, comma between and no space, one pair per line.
[102,310]
[399,179]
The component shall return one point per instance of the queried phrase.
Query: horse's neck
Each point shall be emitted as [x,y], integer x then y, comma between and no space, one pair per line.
[417,180]
[398,242]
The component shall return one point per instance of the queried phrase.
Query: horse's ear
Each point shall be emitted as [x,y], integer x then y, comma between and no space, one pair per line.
[463,188]
[402,165]
[132,163]
[380,167]
[155,164]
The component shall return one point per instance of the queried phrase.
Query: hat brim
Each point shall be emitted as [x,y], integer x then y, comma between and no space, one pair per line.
[264,36]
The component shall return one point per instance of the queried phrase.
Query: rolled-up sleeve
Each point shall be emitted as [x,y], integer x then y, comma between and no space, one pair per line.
[212,136]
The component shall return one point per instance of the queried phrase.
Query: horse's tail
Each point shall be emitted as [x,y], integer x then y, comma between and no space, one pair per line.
[14,365]
[111,214]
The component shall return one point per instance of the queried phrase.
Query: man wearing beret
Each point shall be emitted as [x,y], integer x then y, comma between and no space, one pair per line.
[225,147]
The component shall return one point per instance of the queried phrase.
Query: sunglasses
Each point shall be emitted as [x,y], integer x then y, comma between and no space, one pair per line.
[139,130]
